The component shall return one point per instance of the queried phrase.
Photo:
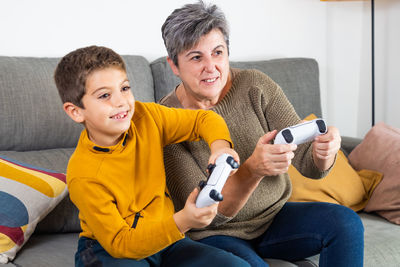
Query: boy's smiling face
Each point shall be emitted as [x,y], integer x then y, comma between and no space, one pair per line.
[108,106]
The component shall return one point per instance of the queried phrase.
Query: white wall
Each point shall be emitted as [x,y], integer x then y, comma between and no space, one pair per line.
[387,49]
[337,34]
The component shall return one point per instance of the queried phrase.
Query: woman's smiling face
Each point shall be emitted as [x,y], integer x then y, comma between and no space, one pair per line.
[204,68]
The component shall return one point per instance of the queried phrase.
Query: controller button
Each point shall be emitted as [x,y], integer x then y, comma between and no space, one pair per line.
[287,135]
[321,126]
[215,195]
[210,168]
[202,184]
[232,162]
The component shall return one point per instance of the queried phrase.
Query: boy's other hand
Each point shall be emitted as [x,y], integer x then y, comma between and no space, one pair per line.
[220,147]
[192,217]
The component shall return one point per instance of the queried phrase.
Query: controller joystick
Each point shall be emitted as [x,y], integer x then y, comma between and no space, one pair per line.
[215,195]
[218,174]
[301,133]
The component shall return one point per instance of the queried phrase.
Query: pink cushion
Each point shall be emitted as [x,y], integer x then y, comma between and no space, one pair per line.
[380,151]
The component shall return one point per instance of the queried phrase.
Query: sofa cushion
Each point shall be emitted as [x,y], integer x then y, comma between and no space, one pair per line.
[31,112]
[381,247]
[298,78]
[140,77]
[380,151]
[27,195]
[381,242]
[48,250]
[164,79]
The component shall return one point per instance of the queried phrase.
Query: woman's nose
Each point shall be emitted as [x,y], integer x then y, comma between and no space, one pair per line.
[209,65]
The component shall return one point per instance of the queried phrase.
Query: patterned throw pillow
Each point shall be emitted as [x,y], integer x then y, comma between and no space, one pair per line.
[27,195]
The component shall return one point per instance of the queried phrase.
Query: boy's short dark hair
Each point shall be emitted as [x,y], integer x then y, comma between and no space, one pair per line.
[74,68]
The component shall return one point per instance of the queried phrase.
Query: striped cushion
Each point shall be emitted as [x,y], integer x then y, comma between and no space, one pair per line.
[27,195]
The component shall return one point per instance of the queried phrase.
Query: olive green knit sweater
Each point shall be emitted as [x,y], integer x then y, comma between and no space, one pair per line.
[254,105]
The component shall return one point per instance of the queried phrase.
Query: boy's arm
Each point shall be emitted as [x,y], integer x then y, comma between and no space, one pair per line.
[180,125]
[121,240]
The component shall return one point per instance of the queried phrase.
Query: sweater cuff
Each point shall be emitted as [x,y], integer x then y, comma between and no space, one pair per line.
[322,174]
[220,219]
[325,173]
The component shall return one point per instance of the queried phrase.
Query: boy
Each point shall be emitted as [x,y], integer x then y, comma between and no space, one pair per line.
[116,174]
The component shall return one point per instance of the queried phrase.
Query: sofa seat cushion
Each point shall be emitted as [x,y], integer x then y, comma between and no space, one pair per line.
[48,250]
[381,247]
[381,242]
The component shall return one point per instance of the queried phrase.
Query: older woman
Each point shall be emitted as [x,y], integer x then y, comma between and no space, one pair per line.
[254,220]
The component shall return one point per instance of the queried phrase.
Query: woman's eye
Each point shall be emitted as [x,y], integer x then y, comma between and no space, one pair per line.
[126,88]
[219,52]
[196,58]
[103,96]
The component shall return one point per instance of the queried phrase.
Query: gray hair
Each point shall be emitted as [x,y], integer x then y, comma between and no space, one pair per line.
[185,26]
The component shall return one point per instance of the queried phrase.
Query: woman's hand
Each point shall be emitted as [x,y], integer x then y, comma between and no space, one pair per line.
[325,148]
[270,159]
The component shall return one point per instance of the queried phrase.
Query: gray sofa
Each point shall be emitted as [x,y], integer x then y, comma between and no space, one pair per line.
[35,130]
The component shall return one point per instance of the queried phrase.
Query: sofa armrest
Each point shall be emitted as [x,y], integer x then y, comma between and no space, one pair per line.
[349,143]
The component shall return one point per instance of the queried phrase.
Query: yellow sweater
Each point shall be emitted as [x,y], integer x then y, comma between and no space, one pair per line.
[121,190]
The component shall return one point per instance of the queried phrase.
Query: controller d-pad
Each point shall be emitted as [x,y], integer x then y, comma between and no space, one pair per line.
[321,126]
[287,135]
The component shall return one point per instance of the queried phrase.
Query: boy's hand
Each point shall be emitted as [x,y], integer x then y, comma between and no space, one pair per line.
[192,217]
[219,147]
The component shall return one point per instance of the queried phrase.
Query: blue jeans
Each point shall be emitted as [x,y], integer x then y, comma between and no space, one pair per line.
[184,252]
[301,230]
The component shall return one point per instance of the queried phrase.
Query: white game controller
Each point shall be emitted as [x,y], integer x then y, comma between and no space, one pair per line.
[211,190]
[301,133]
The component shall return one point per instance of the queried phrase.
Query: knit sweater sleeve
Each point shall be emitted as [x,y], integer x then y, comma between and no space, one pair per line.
[279,113]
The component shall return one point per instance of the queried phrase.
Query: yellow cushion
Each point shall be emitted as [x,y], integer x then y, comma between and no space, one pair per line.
[343,185]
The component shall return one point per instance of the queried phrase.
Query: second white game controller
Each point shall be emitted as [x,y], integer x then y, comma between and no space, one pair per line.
[301,133]
[219,172]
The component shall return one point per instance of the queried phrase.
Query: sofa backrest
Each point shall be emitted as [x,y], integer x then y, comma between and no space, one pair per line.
[31,115]
[298,78]
[31,112]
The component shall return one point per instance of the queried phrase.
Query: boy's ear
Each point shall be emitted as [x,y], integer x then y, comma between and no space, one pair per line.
[74,112]
[174,68]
